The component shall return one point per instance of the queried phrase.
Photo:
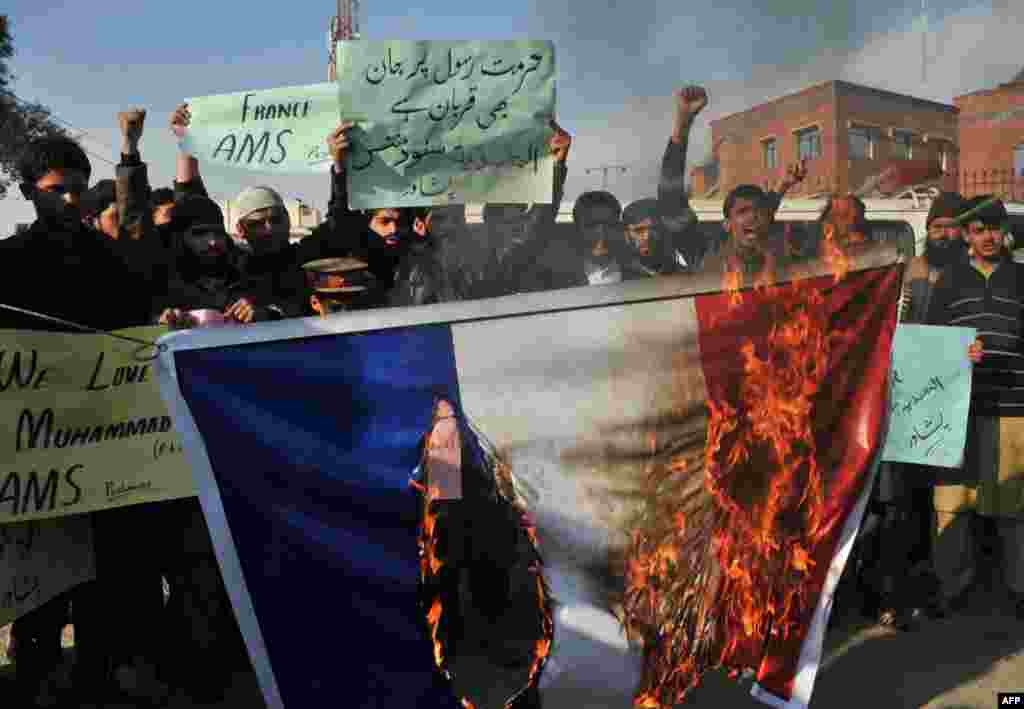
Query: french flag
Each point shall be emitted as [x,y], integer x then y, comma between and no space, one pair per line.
[692,464]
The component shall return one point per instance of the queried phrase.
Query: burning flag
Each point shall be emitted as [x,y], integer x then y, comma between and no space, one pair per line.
[691,463]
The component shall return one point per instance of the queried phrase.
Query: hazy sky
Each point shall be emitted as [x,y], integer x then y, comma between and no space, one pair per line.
[618,62]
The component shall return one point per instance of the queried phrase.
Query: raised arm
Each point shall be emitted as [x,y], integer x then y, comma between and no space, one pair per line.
[132,180]
[541,218]
[673,204]
[138,244]
[795,174]
[187,180]
[339,233]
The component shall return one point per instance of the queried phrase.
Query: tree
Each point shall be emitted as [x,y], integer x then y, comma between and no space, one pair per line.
[20,121]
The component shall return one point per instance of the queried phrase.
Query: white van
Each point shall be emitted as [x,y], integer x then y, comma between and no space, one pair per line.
[897,221]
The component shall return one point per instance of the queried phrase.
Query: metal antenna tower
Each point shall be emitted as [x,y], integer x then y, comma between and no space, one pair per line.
[344,25]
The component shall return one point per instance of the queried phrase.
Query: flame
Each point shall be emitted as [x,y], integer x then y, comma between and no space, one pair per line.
[732,281]
[431,564]
[840,232]
[766,513]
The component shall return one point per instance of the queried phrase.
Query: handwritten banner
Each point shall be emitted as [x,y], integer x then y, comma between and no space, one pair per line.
[931,395]
[83,426]
[279,130]
[447,122]
[40,560]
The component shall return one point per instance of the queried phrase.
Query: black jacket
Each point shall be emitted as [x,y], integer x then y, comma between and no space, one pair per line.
[451,266]
[340,233]
[73,273]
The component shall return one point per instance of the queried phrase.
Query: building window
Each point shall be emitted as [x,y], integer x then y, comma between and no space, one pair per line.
[768,149]
[903,140]
[862,143]
[943,150]
[808,144]
[1018,160]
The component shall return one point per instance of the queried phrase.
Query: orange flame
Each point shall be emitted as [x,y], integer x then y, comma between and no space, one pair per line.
[762,471]
[732,281]
[431,564]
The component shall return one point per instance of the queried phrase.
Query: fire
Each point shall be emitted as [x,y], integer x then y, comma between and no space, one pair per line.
[764,515]
[732,281]
[431,564]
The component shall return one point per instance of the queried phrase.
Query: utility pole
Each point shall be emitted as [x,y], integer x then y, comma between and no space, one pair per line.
[605,169]
[924,41]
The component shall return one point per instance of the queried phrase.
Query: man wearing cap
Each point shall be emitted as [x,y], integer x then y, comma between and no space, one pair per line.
[944,247]
[338,285]
[985,292]
[904,492]
[273,272]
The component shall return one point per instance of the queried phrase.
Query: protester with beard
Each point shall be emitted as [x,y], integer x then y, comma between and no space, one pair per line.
[903,493]
[377,236]
[208,267]
[652,248]
[943,247]
[660,234]
[272,271]
[438,264]
[985,292]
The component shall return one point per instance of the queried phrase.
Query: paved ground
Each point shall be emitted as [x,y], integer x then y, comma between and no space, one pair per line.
[959,663]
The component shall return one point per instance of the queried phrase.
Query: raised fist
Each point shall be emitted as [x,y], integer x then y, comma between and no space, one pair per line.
[180,120]
[690,101]
[131,124]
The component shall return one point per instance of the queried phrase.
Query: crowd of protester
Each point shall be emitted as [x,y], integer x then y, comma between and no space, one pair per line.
[122,254]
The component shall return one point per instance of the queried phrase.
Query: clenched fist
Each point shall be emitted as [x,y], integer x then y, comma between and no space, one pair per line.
[180,120]
[131,124]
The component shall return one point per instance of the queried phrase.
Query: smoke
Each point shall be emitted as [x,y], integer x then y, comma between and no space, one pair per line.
[615,93]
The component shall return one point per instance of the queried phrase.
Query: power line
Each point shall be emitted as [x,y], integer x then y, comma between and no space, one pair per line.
[81,131]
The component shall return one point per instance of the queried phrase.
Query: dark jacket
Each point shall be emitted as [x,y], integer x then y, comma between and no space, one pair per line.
[918,289]
[451,266]
[964,297]
[340,233]
[76,273]
[277,282]
[73,273]
[681,246]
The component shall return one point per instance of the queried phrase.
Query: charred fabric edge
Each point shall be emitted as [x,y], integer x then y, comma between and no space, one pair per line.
[487,478]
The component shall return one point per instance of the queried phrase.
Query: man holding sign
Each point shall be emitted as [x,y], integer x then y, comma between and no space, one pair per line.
[447,122]
[986,293]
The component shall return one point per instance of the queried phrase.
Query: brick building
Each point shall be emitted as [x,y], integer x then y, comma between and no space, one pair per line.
[849,134]
[992,140]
